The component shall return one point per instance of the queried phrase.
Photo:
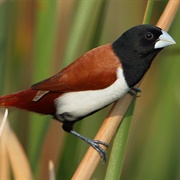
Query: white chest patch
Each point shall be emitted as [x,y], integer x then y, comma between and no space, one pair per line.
[81,103]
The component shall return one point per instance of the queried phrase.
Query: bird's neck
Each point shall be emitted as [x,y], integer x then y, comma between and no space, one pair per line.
[133,73]
[134,64]
[135,67]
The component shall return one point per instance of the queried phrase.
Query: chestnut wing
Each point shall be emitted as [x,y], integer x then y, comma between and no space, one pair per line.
[94,70]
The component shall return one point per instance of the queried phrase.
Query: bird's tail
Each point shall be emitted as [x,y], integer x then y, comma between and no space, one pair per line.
[25,100]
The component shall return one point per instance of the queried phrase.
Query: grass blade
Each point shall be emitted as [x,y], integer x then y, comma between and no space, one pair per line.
[3,43]
[119,146]
[148,12]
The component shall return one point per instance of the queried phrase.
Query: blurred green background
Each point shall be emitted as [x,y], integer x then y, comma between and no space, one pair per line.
[40,37]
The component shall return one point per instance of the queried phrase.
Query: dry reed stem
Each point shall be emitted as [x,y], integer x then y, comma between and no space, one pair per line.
[18,160]
[110,124]
[3,122]
[11,151]
[4,163]
[51,171]
[168,14]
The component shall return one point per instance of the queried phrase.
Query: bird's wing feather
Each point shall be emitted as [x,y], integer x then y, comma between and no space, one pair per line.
[94,70]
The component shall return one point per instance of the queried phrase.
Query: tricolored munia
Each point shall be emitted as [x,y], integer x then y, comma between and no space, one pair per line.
[93,81]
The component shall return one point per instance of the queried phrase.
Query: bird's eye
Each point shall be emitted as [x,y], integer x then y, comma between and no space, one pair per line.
[149,36]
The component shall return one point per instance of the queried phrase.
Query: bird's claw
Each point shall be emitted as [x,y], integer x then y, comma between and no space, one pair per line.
[134,90]
[96,145]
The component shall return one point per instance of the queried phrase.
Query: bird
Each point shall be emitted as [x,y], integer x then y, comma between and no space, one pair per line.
[94,80]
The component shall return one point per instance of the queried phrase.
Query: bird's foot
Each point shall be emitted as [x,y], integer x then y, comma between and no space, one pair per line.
[96,145]
[93,143]
[134,91]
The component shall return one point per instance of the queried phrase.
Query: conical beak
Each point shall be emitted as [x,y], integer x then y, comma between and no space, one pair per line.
[164,40]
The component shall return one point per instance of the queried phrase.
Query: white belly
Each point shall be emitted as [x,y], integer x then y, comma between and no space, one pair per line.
[81,103]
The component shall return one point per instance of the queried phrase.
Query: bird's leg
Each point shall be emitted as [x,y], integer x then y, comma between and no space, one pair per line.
[68,126]
[134,90]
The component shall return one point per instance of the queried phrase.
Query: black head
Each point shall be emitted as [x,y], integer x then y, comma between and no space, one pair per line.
[137,47]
